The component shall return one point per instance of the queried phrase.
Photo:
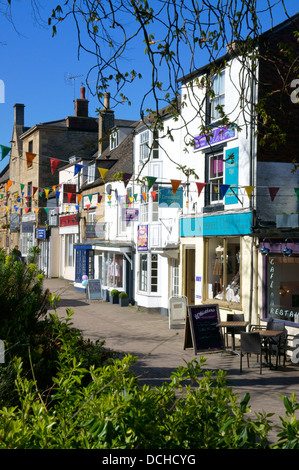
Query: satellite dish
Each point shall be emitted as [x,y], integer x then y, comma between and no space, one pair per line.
[109,189]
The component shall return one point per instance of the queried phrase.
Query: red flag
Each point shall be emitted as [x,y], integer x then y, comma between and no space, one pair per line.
[54,164]
[273,192]
[200,186]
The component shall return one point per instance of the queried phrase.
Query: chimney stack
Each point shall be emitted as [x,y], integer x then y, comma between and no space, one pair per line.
[19,114]
[106,123]
[81,105]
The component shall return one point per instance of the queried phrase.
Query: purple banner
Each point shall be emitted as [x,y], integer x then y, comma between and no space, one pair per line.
[214,137]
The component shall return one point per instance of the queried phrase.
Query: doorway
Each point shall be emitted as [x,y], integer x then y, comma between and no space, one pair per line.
[190,275]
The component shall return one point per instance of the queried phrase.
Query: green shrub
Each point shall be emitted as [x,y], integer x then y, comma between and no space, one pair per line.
[123,295]
[114,293]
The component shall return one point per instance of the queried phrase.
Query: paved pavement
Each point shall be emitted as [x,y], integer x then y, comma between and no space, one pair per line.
[160,350]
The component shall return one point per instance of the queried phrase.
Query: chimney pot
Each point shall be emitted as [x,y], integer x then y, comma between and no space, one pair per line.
[82,89]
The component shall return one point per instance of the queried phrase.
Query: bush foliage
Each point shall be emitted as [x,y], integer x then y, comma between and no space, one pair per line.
[93,400]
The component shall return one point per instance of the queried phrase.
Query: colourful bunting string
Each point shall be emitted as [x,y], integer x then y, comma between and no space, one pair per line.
[200,186]
[273,192]
[4,151]
[54,164]
[29,158]
[175,184]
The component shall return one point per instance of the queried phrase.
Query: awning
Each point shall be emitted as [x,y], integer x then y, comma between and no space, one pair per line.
[168,251]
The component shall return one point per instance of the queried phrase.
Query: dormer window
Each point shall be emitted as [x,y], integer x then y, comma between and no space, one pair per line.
[113,140]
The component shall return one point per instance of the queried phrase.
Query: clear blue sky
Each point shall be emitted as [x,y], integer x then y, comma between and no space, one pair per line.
[34,68]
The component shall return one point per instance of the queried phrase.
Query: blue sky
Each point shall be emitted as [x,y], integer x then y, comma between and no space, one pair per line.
[34,68]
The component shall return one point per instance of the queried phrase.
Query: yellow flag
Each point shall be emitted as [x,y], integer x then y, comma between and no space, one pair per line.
[103,172]
[47,192]
[249,190]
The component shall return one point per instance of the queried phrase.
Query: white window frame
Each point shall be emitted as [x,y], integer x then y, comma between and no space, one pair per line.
[217,178]
[91,173]
[144,147]
[148,273]
[218,98]
[114,140]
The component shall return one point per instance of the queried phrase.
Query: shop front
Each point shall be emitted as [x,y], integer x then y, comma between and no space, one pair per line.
[111,264]
[217,260]
[281,281]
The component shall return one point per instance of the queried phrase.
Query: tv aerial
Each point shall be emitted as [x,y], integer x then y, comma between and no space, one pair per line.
[73,78]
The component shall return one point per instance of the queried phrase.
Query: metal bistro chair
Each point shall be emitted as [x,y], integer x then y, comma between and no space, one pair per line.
[234,331]
[251,344]
[278,345]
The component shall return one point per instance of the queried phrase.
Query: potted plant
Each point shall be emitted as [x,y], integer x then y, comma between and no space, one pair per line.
[114,296]
[123,299]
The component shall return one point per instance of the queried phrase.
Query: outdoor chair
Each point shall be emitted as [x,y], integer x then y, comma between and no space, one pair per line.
[234,317]
[251,344]
[278,345]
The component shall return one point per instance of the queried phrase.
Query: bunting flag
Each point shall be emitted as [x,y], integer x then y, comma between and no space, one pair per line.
[100,198]
[77,168]
[200,187]
[151,181]
[30,157]
[144,196]
[4,151]
[153,194]
[54,164]
[126,178]
[69,196]
[9,183]
[36,209]
[79,197]
[223,189]
[90,197]
[273,192]
[22,187]
[297,193]
[103,172]
[175,184]
[249,190]
[34,189]
[46,209]
[47,192]
[87,206]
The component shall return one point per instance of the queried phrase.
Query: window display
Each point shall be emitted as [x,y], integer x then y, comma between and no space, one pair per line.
[282,288]
[223,258]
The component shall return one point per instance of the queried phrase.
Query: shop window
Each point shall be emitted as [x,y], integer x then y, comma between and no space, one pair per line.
[148,273]
[223,269]
[283,288]
[112,270]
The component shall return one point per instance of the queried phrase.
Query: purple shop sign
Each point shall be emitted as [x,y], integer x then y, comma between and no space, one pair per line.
[214,137]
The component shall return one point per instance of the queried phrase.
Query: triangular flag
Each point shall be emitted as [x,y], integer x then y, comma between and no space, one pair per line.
[36,209]
[79,196]
[54,164]
[144,196]
[46,209]
[69,196]
[273,192]
[103,172]
[22,187]
[90,197]
[249,190]
[297,193]
[151,181]
[4,151]
[77,168]
[87,206]
[200,186]
[26,209]
[34,189]
[47,192]
[126,178]
[153,194]
[223,189]
[175,184]
[54,188]
[9,183]
[30,157]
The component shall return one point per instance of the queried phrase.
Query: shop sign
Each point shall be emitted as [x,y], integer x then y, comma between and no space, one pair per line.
[40,233]
[218,225]
[168,199]
[215,136]
[142,238]
[68,220]
[27,227]
[130,215]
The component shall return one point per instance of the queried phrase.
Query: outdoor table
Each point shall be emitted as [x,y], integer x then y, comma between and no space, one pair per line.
[233,325]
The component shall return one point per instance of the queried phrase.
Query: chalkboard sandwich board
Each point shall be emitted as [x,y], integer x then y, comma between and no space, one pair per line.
[94,289]
[201,329]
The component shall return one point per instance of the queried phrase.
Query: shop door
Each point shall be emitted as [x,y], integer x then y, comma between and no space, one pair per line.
[190,276]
